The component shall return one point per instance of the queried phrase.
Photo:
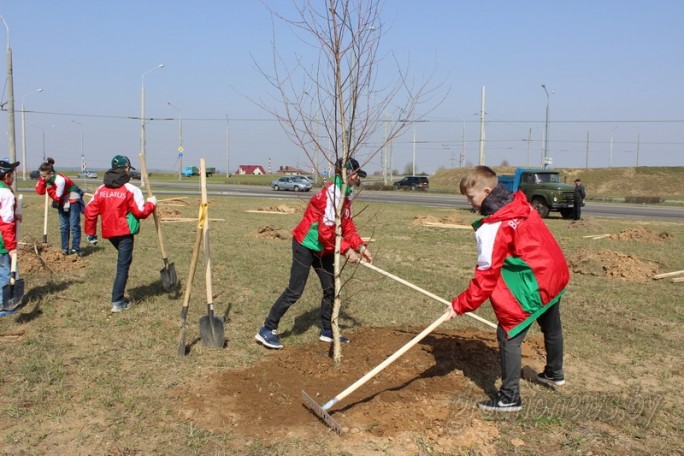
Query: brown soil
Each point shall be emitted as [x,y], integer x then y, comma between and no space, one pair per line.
[641,234]
[608,263]
[285,209]
[271,232]
[454,218]
[39,257]
[431,391]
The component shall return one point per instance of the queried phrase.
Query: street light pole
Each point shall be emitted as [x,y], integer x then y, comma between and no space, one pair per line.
[610,152]
[180,140]
[462,159]
[142,117]
[546,129]
[10,101]
[23,133]
[42,129]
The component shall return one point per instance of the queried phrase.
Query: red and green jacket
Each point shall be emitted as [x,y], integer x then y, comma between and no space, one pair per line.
[119,204]
[8,224]
[316,231]
[58,187]
[520,267]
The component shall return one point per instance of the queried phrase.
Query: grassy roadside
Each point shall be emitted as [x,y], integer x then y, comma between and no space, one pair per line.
[79,380]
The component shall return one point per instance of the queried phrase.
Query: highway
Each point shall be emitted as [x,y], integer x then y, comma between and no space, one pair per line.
[596,209]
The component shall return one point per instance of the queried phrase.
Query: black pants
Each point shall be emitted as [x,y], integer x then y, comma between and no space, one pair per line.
[577,209]
[304,259]
[511,353]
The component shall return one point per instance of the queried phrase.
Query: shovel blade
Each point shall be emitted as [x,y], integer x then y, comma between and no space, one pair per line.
[211,330]
[169,278]
[13,295]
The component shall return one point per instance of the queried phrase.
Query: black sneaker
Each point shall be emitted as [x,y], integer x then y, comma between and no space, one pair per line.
[501,403]
[548,379]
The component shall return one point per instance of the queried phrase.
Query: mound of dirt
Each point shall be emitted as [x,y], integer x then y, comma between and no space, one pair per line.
[431,391]
[37,257]
[641,234]
[270,232]
[165,212]
[453,219]
[584,223]
[285,209]
[608,263]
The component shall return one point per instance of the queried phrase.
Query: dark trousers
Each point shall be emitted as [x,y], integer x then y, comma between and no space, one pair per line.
[304,259]
[577,209]
[124,245]
[511,353]
[70,221]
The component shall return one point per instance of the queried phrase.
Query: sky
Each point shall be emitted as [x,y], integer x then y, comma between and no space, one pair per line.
[613,71]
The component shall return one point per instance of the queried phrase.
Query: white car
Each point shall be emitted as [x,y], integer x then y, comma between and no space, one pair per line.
[294,183]
[87,174]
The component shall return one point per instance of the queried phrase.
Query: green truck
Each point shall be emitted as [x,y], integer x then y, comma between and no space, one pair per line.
[189,171]
[543,189]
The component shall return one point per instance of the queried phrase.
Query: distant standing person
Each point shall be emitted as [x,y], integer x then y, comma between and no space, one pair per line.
[313,246]
[580,194]
[121,206]
[67,197]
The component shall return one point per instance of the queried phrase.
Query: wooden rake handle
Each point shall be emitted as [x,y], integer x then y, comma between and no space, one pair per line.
[425,292]
[143,170]
[387,362]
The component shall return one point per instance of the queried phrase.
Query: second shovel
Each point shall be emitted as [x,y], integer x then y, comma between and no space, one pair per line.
[211,326]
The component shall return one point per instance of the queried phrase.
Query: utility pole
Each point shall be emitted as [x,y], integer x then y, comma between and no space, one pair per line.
[482,128]
[10,103]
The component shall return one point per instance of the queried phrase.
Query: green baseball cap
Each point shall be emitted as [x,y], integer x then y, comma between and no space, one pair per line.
[121,161]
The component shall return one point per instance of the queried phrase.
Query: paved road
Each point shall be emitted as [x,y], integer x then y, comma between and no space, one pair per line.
[622,210]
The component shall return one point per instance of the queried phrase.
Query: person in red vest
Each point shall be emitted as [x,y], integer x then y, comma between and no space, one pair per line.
[67,198]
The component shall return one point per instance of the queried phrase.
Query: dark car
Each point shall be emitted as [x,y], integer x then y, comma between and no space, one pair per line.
[134,174]
[35,174]
[413,183]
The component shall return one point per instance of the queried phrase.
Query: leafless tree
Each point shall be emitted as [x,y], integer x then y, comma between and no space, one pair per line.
[328,99]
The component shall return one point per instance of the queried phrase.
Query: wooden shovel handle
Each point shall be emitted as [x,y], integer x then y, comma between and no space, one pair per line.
[45,216]
[191,273]
[143,170]
[207,254]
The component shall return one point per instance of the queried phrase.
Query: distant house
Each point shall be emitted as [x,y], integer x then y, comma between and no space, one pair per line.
[252,170]
[291,171]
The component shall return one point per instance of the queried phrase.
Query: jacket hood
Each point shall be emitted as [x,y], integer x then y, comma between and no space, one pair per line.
[518,208]
[115,178]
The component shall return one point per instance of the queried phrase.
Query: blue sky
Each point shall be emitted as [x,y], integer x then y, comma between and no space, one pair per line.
[615,69]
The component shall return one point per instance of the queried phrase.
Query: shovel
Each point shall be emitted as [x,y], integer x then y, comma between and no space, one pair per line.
[45,217]
[322,411]
[13,292]
[191,275]
[168,272]
[211,326]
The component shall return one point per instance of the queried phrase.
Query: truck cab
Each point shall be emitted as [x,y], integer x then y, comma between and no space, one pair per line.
[544,190]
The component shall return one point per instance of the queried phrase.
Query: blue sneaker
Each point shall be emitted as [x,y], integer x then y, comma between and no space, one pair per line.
[121,306]
[268,338]
[327,336]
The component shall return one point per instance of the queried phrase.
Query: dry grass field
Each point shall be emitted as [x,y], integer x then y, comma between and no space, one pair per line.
[76,379]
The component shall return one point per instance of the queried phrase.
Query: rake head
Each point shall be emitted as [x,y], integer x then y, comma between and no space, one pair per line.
[322,414]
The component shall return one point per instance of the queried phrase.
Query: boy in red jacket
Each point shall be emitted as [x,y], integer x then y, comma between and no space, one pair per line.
[521,269]
[313,246]
[121,205]
[8,220]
